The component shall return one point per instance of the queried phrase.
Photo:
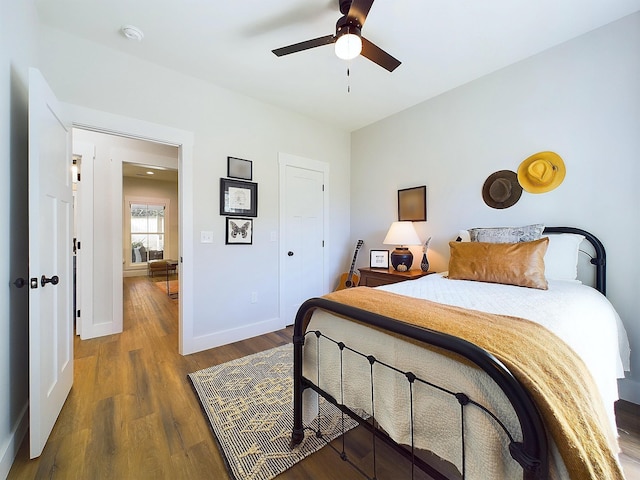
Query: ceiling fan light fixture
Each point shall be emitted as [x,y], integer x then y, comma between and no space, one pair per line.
[349,44]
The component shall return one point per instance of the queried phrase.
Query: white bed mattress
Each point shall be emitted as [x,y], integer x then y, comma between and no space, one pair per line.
[578,314]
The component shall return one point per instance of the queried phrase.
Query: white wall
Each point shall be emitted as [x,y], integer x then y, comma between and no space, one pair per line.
[18,24]
[580,99]
[223,124]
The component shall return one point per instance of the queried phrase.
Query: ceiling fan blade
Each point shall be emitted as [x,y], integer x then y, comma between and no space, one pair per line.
[306,12]
[379,56]
[299,47]
[359,10]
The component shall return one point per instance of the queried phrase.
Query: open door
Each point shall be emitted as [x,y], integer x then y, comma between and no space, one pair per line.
[50,262]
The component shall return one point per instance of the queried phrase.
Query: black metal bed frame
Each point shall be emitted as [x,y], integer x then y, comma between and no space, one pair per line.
[531,453]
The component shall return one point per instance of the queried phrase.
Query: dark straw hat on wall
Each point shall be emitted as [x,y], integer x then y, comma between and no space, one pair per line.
[501,189]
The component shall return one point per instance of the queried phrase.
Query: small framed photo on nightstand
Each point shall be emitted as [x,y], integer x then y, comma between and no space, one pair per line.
[379,258]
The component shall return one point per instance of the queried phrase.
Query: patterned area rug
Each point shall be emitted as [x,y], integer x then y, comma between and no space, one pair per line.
[174,287]
[249,405]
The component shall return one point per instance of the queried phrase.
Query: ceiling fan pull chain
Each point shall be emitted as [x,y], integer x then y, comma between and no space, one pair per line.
[348,81]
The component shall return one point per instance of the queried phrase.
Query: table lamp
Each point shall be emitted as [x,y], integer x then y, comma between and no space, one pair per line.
[402,234]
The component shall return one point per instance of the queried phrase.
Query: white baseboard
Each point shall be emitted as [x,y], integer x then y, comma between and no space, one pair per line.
[135,273]
[629,390]
[12,444]
[212,340]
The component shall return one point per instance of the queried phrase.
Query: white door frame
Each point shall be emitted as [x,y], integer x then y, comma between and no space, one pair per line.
[84,229]
[285,160]
[103,122]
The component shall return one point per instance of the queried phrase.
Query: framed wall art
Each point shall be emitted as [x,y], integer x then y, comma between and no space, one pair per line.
[412,204]
[239,231]
[379,258]
[238,198]
[239,168]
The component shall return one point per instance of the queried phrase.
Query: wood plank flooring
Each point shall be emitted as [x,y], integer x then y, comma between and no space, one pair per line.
[132,413]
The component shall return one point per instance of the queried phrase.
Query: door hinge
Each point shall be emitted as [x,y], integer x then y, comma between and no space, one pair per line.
[322,243]
[78,244]
[78,314]
[323,187]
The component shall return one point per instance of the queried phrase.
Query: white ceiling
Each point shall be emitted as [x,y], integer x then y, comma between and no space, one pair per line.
[441,43]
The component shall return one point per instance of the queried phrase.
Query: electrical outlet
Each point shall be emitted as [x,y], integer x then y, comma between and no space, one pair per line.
[254,297]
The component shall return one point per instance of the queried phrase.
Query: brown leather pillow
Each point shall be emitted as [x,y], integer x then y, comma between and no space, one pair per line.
[519,264]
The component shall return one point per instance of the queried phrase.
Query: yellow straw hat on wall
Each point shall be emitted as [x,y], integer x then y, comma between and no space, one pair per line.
[541,172]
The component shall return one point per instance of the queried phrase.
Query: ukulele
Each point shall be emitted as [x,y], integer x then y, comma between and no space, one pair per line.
[348,280]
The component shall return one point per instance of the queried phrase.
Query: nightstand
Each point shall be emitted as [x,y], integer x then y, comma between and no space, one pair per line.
[375,277]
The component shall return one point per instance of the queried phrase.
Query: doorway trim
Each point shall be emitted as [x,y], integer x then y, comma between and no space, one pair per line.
[104,122]
[288,160]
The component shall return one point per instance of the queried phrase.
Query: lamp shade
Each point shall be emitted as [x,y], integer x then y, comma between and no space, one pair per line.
[402,233]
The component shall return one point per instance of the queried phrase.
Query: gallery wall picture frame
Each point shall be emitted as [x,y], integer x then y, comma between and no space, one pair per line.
[239,231]
[238,197]
[379,258]
[412,204]
[239,168]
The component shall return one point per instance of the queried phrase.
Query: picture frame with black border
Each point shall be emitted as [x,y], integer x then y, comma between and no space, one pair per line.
[239,168]
[239,231]
[379,258]
[238,197]
[412,204]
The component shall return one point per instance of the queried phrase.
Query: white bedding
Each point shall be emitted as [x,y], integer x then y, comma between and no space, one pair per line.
[576,313]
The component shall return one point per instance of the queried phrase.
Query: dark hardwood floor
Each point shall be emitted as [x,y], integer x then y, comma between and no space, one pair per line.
[132,413]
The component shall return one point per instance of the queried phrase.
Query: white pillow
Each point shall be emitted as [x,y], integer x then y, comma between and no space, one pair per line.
[561,258]
[464,236]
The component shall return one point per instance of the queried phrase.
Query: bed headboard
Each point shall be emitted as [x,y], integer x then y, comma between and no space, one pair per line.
[599,259]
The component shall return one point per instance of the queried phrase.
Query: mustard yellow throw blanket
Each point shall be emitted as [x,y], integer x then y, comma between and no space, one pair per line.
[554,375]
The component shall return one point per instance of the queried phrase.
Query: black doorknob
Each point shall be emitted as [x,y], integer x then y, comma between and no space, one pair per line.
[290,253]
[53,280]
[20,282]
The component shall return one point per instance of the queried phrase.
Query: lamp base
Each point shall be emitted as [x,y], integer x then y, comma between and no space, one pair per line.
[401,259]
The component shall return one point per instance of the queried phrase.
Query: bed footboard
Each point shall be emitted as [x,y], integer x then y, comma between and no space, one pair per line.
[531,453]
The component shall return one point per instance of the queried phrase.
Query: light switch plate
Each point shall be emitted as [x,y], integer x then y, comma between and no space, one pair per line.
[206,237]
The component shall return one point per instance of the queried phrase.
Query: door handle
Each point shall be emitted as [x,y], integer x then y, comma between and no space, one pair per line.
[20,282]
[53,280]
[290,253]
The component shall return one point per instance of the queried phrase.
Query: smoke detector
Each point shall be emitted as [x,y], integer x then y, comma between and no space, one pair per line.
[132,33]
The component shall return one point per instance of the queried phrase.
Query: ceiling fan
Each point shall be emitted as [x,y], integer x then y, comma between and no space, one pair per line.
[349,43]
